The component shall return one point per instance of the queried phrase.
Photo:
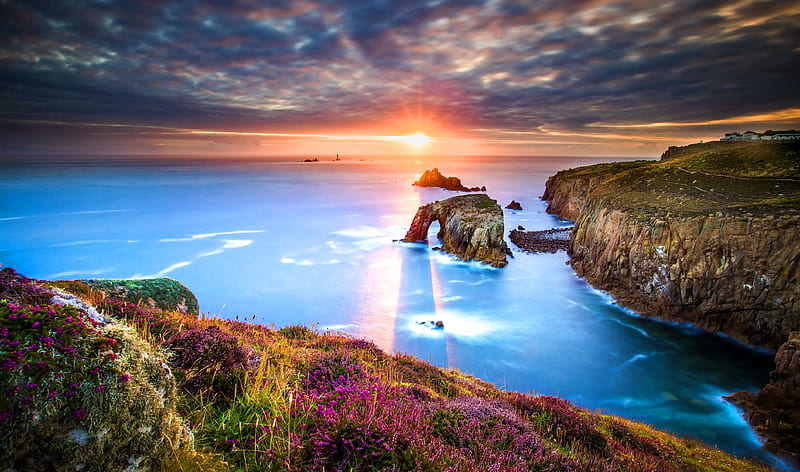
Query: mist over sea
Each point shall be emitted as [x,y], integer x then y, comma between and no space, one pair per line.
[288,242]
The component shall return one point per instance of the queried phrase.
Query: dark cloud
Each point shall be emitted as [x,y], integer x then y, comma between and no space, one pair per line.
[513,65]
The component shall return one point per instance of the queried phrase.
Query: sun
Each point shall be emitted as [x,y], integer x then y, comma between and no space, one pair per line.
[417,139]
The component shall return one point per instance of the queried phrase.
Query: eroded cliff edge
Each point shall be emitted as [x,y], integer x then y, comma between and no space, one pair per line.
[471,228]
[709,234]
[775,411]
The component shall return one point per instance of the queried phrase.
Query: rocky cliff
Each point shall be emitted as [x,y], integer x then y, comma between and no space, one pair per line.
[709,235]
[471,228]
[775,410]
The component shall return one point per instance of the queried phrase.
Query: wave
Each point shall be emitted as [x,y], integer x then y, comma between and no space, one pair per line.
[195,237]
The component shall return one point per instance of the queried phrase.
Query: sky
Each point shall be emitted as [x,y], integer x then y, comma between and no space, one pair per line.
[320,77]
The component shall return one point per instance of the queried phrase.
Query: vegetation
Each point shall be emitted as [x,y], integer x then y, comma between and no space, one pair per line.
[163,293]
[75,391]
[732,178]
[485,202]
[290,399]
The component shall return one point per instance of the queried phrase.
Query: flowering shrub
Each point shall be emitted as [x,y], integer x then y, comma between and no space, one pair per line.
[561,419]
[14,286]
[362,425]
[75,391]
[211,361]
[309,402]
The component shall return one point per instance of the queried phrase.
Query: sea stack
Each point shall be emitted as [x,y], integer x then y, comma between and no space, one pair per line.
[434,178]
[472,228]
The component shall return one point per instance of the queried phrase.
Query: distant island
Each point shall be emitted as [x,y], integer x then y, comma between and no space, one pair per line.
[161,389]
[434,178]
[708,235]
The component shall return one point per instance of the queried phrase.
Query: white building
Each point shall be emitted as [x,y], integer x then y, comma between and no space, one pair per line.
[768,135]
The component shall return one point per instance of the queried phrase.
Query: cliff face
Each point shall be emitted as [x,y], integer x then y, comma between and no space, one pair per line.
[733,275]
[472,228]
[681,240]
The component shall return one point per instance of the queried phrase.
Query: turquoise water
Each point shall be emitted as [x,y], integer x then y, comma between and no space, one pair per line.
[312,243]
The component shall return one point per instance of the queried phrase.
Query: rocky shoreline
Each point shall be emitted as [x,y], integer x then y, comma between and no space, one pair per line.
[708,235]
[549,240]
[774,412]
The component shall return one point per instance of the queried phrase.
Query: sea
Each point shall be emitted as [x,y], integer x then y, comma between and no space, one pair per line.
[278,241]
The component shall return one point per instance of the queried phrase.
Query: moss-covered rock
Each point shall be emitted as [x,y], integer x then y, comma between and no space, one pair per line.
[163,293]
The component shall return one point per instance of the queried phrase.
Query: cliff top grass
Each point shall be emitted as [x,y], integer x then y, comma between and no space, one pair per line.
[730,178]
[261,398]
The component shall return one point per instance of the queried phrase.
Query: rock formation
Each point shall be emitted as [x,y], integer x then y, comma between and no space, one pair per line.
[434,178]
[162,293]
[709,235]
[689,245]
[775,411]
[472,228]
[549,240]
[514,205]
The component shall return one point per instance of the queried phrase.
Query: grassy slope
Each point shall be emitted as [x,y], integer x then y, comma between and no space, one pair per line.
[258,398]
[738,178]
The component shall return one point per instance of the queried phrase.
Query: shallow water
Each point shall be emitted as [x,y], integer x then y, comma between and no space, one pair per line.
[312,243]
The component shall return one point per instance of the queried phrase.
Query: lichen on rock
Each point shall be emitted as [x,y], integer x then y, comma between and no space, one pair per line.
[471,228]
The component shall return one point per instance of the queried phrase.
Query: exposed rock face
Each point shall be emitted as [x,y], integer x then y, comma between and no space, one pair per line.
[739,276]
[434,178]
[775,410]
[472,228]
[514,205]
[734,270]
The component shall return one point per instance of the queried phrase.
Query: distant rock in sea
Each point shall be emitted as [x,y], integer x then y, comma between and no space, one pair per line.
[472,228]
[514,205]
[434,178]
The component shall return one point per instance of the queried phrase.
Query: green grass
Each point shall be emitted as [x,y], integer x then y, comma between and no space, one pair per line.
[167,293]
[732,178]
